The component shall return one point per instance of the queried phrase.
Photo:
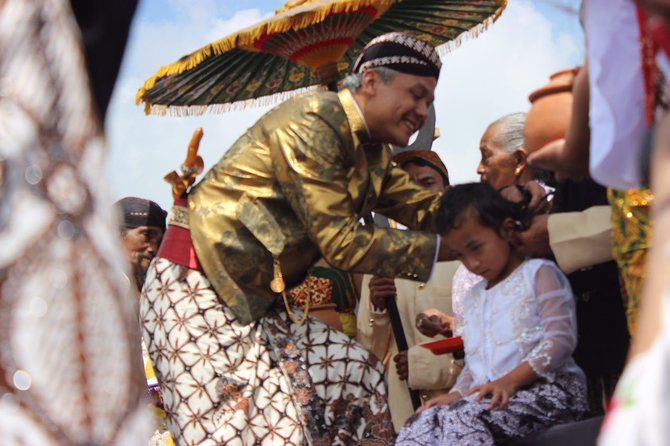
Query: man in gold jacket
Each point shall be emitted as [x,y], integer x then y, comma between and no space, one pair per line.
[237,365]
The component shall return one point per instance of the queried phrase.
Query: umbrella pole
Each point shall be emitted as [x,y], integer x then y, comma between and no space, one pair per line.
[329,75]
[398,332]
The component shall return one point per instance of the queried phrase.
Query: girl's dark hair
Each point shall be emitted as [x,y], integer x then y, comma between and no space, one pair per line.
[490,207]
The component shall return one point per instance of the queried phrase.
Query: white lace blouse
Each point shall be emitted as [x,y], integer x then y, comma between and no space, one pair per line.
[461,283]
[529,316]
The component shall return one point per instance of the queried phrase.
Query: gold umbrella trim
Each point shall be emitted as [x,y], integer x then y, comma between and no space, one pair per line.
[293,18]
[472,33]
[199,110]
[205,52]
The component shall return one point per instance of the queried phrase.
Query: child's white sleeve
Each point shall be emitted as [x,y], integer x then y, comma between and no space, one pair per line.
[462,282]
[463,382]
[558,322]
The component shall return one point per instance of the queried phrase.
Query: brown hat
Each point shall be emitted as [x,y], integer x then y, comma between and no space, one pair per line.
[424,157]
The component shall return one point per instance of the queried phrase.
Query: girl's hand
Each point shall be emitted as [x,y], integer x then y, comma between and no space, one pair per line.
[443,400]
[500,392]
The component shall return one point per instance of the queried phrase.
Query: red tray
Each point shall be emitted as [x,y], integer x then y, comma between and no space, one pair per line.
[444,346]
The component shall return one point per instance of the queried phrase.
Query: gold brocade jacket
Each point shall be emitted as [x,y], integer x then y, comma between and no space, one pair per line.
[295,186]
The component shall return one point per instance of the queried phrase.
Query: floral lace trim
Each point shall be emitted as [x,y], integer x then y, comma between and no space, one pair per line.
[540,360]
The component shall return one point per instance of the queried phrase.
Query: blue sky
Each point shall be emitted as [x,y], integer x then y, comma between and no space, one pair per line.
[168,10]
[483,79]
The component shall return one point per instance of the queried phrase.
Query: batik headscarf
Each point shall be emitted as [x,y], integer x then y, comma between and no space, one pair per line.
[400,52]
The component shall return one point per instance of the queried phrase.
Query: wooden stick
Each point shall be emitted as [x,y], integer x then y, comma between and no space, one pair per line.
[396,324]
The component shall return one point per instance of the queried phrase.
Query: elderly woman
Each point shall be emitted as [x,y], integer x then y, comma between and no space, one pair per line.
[503,160]
[503,164]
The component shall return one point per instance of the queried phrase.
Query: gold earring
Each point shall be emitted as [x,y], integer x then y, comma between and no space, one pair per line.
[517,171]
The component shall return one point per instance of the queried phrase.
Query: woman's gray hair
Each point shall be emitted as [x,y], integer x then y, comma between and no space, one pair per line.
[510,135]
[354,81]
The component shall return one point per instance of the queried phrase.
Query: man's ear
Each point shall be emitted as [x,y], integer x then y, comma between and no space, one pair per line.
[369,83]
[507,228]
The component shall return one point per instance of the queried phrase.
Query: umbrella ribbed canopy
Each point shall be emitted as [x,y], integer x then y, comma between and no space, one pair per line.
[282,55]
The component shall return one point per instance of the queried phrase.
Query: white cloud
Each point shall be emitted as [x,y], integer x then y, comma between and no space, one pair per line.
[144,148]
[240,20]
[482,80]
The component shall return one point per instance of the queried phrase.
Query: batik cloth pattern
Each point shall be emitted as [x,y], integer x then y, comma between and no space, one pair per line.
[325,285]
[468,422]
[70,363]
[268,382]
[315,290]
[631,231]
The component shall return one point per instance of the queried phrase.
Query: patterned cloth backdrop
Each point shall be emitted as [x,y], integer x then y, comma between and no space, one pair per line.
[70,365]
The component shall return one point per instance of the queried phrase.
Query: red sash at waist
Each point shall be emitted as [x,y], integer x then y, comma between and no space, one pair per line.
[177,245]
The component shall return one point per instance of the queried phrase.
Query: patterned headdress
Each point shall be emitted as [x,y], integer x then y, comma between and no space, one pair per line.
[140,212]
[401,52]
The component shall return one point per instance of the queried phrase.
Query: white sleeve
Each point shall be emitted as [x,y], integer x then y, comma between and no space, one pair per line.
[557,319]
[463,282]
[464,381]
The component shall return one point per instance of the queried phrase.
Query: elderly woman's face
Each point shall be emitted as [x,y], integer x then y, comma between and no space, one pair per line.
[496,166]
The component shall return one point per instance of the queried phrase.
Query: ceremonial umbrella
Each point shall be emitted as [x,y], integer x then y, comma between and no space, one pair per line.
[307,42]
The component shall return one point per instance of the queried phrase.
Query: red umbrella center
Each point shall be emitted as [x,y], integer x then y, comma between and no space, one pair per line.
[321,44]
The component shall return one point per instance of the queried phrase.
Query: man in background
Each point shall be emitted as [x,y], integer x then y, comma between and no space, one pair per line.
[417,367]
[142,228]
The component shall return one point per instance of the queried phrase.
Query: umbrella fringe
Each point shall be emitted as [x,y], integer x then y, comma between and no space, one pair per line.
[198,110]
[473,33]
[245,39]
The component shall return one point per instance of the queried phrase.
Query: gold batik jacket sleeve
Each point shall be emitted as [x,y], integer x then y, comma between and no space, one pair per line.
[312,160]
[403,201]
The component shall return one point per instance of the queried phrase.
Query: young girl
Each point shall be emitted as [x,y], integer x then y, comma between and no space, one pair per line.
[519,334]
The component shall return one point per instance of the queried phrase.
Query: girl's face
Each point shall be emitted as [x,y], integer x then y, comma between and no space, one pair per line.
[483,250]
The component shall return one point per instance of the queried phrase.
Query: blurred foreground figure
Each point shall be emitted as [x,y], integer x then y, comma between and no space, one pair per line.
[70,370]
[639,413]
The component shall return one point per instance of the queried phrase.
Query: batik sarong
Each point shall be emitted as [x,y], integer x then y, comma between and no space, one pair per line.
[468,422]
[269,382]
